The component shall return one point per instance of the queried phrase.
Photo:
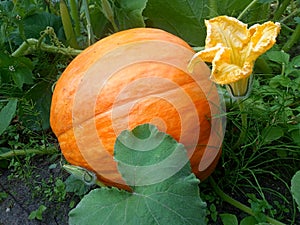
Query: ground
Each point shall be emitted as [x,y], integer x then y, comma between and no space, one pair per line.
[22,197]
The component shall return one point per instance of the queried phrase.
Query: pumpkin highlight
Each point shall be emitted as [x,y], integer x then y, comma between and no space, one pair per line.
[130,78]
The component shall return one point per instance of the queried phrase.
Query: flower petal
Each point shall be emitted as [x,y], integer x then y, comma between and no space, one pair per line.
[227,31]
[263,37]
[206,55]
[224,72]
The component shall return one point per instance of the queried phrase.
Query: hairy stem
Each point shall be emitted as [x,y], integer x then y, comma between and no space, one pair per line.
[30,45]
[244,124]
[246,9]
[294,38]
[238,204]
[21,152]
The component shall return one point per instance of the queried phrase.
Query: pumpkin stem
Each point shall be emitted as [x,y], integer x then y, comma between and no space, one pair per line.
[238,204]
[88,177]
[244,124]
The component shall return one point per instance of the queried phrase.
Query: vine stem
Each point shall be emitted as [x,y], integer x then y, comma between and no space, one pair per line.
[244,124]
[238,204]
[31,45]
[21,152]
[294,38]
[246,9]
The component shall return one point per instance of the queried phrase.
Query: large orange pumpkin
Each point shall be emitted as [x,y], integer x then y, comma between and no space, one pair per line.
[129,78]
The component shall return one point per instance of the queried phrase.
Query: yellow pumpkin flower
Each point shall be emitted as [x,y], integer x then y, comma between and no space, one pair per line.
[232,49]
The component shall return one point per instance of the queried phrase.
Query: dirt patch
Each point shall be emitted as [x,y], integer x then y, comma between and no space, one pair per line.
[26,195]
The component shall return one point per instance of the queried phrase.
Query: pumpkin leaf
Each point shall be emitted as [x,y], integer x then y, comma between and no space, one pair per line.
[295,187]
[7,113]
[171,199]
[178,17]
[129,13]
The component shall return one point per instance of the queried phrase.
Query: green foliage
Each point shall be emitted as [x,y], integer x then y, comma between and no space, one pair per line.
[177,17]
[229,219]
[3,196]
[129,13]
[7,113]
[76,186]
[37,214]
[296,188]
[172,200]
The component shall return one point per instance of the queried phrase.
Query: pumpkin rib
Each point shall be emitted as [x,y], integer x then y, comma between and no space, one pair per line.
[145,94]
[78,74]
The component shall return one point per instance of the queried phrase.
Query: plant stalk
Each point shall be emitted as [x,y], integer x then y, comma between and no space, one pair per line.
[109,13]
[21,152]
[282,7]
[91,38]
[67,24]
[246,9]
[244,124]
[30,45]
[238,204]
[294,38]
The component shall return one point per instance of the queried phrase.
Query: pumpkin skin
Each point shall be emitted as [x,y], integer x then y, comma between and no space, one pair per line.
[130,78]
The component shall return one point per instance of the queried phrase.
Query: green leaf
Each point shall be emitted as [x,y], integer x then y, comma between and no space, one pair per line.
[3,196]
[7,113]
[182,18]
[129,13]
[271,133]
[249,220]
[295,188]
[37,214]
[278,57]
[294,131]
[98,22]
[170,199]
[76,185]
[229,219]
[280,80]
[256,13]
[21,76]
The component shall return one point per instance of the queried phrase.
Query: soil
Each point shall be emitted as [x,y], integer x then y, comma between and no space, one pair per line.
[22,198]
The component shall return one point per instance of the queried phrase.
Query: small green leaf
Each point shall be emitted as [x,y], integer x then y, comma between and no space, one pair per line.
[295,188]
[171,199]
[37,214]
[249,220]
[21,76]
[271,133]
[278,56]
[229,219]
[7,113]
[3,196]
[280,80]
